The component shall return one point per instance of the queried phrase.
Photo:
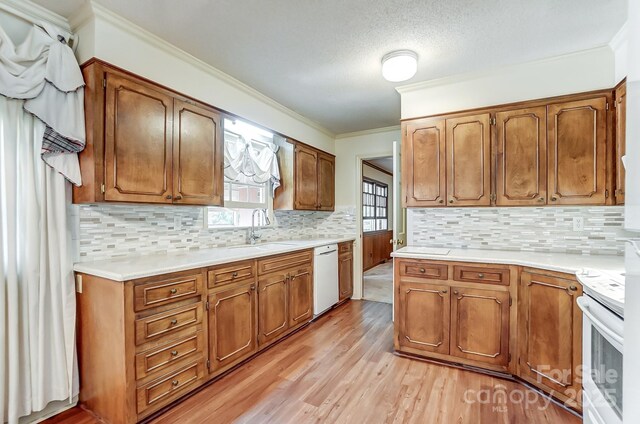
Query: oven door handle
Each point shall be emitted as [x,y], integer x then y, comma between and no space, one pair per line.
[583,303]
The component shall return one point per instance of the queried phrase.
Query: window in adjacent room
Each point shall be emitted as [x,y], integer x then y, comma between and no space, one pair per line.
[250,173]
[375,206]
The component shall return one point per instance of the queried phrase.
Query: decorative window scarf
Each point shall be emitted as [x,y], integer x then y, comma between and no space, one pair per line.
[43,71]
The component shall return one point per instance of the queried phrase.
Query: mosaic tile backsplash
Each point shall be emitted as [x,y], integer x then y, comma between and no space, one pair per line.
[111,231]
[536,229]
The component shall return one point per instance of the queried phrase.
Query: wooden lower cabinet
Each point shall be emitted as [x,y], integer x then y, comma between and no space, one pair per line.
[424,316]
[300,296]
[522,322]
[480,325]
[550,342]
[273,318]
[345,271]
[232,325]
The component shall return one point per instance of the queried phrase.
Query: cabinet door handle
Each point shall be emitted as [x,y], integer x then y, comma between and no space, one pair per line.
[174,353]
[451,201]
[173,291]
[553,199]
[573,288]
[174,321]
[293,277]
[253,287]
[455,292]
[541,199]
[169,197]
[178,197]
[440,201]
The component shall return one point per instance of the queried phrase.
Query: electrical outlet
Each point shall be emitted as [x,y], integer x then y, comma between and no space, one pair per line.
[578,223]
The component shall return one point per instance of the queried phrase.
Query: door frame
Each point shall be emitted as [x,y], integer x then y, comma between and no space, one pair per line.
[358,278]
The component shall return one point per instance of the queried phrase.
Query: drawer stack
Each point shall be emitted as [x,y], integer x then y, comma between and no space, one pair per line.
[169,338]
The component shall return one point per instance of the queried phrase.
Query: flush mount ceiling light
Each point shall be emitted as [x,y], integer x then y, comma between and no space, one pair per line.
[400,65]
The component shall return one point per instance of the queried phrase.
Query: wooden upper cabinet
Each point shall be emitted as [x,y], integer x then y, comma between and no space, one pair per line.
[197,155]
[468,161]
[147,143]
[423,163]
[326,182]
[137,142]
[480,325]
[577,134]
[621,135]
[521,157]
[550,341]
[306,178]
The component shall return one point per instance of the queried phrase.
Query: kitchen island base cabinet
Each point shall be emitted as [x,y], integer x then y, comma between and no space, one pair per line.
[550,345]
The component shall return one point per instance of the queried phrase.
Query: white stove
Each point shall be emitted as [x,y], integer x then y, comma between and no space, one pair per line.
[607,287]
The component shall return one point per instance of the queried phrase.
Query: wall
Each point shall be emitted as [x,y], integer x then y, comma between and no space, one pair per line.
[387,179]
[548,229]
[572,73]
[112,38]
[112,231]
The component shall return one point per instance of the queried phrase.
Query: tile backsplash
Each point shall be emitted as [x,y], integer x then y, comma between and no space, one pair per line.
[111,231]
[548,229]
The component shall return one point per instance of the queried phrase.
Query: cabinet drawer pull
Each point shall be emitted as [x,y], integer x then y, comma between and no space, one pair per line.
[173,291]
[573,288]
[174,353]
[175,383]
[480,275]
[422,270]
[174,321]
[234,274]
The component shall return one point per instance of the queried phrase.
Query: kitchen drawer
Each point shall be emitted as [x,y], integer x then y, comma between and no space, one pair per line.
[231,273]
[285,261]
[163,390]
[484,275]
[169,323]
[422,269]
[158,291]
[168,356]
[346,247]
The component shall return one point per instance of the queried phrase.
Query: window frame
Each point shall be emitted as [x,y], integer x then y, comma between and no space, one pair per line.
[376,184]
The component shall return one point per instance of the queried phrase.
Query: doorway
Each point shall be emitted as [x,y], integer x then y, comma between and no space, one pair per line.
[377,228]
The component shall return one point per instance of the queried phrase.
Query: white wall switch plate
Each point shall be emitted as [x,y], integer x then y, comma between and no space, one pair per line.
[578,223]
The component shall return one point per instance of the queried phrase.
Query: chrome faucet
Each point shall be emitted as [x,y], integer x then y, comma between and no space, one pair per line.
[253,236]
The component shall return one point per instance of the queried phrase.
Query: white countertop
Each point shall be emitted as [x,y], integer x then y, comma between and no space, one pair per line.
[124,269]
[560,262]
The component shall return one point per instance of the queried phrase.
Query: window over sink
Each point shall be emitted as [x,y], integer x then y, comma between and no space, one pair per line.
[250,174]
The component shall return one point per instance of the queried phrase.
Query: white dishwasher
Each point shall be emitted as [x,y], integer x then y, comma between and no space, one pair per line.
[325,278]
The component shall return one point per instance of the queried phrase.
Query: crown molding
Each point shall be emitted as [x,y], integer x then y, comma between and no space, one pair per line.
[32,12]
[620,38]
[470,76]
[368,132]
[125,25]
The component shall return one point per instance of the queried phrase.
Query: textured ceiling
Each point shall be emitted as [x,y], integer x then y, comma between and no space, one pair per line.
[322,58]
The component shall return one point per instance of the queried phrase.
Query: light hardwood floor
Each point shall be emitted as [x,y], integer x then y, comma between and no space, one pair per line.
[341,369]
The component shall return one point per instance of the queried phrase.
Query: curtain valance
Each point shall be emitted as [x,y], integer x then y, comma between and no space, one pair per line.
[247,163]
[43,72]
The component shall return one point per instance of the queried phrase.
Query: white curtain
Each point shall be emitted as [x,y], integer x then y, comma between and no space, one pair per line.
[246,163]
[37,297]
